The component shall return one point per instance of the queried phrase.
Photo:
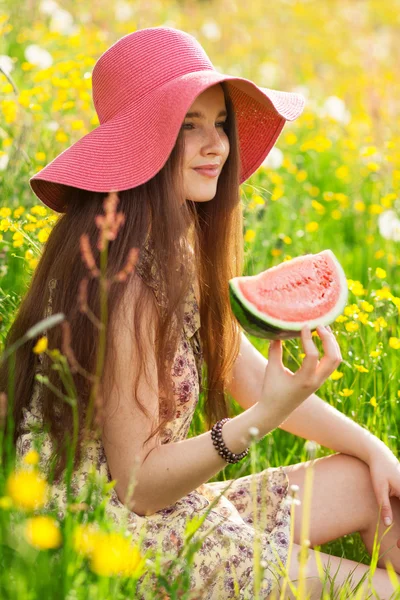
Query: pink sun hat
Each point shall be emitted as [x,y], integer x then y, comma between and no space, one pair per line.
[142,88]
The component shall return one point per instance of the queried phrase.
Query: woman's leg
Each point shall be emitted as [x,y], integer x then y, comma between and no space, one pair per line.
[339,570]
[343,502]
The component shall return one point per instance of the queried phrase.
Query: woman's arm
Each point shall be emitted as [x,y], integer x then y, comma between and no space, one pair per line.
[172,470]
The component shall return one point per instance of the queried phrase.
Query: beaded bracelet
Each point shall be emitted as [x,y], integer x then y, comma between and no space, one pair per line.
[219,444]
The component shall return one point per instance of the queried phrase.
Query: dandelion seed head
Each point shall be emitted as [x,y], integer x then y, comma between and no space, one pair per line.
[254,431]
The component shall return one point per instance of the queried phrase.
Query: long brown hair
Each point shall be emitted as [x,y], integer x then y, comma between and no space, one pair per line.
[155,209]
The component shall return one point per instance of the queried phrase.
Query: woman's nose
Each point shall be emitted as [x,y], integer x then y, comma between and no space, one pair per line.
[213,139]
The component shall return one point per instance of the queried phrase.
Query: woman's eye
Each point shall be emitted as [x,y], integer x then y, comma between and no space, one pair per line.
[221,123]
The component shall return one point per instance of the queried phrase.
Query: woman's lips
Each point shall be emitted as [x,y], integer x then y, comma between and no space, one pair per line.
[208,172]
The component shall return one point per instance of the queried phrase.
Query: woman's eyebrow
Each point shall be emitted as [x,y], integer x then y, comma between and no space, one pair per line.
[200,115]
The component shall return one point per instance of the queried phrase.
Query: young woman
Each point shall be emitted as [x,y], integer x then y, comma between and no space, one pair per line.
[176,139]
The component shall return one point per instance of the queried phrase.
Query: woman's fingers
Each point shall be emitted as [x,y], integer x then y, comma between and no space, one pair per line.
[332,357]
[311,366]
[310,361]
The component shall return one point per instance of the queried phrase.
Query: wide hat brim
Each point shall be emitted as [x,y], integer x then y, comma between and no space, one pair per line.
[130,148]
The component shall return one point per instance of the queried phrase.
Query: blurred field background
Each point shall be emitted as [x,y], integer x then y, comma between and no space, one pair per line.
[332,180]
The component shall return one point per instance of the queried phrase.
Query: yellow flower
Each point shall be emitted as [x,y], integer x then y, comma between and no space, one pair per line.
[375,353]
[41,345]
[43,234]
[61,136]
[328,196]
[336,215]
[18,212]
[379,254]
[372,166]
[359,206]
[33,263]
[351,310]
[39,210]
[277,193]
[394,343]
[301,175]
[18,239]
[5,224]
[5,502]
[312,227]
[361,369]
[113,554]
[5,211]
[356,287]
[31,458]
[379,324]
[249,235]
[368,150]
[290,138]
[341,319]
[287,239]
[396,301]
[346,392]
[40,156]
[78,124]
[336,375]
[387,201]
[276,252]
[320,208]
[373,402]
[342,172]
[27,489]
[363,318]
[383,294]
[43,532]
[381,273]
[366,306]
[375,209]
[352,326]
[85,538]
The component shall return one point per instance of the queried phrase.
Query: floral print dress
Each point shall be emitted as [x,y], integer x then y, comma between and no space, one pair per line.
[225,562]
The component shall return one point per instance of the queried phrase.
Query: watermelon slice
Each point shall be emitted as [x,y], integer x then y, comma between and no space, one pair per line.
[277,303]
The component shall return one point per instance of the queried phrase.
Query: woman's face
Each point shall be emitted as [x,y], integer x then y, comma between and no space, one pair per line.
[206,143]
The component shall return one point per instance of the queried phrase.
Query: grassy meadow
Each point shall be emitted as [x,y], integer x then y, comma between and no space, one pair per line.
[331,181]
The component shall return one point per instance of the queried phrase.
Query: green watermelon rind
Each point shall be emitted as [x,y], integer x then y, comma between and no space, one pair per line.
[257,323]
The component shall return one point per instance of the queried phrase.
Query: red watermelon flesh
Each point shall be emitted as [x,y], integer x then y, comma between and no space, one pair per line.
[302,289]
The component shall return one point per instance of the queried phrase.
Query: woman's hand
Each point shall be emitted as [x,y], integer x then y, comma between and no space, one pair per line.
[283,391]
[385,475]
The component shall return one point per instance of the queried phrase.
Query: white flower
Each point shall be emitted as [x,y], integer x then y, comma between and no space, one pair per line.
[123,11]
[3,161]
[62,22]
[38,56]
[335,107]
[6,63]
[274,159]
[289,500]
[211,30]
[47,7]
[52,125]
[311,448]
[389,225]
